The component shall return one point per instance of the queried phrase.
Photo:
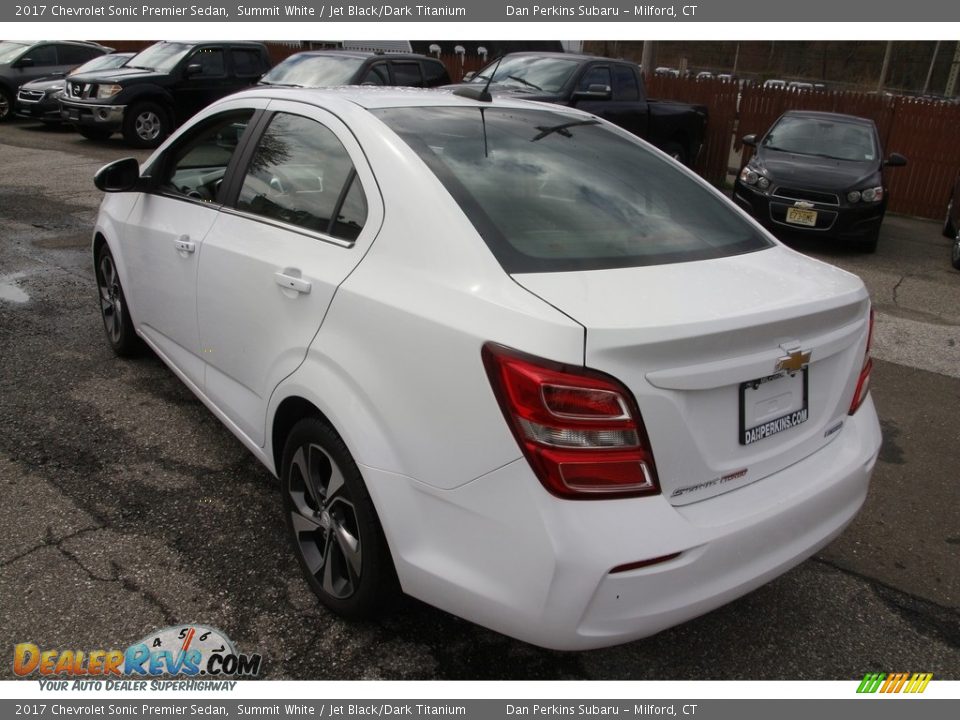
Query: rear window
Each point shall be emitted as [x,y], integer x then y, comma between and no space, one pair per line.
[552,192]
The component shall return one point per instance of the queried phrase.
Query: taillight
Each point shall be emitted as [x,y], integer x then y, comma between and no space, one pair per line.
[580,430]
[863,382]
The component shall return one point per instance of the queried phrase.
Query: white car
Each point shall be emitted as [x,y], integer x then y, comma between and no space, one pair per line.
[504,355]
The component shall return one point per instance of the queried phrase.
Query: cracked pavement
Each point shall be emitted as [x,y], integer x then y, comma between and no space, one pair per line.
[128,507]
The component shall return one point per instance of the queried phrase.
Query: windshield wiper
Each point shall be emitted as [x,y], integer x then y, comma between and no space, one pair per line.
[561,129]
[525,82]
[276,84]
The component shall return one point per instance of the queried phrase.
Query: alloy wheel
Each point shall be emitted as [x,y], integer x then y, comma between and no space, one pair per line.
[111,299]
[148,125]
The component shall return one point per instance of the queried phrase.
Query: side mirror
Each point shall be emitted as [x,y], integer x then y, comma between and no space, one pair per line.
[119,176]
[749,140]
[193,69]
[594,92]
[25,63]
[469,76]
[895,160]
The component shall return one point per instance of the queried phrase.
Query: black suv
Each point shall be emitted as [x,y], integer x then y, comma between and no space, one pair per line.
[23,62]
[160,88]
[326,68]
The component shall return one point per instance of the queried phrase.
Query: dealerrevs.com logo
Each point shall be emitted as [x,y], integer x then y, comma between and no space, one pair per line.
[189,651]
[910,683]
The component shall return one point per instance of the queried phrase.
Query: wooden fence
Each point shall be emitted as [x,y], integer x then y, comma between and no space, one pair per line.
[925,131]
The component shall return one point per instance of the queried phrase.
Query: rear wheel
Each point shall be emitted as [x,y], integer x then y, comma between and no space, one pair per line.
[145,125]
[333,525]
[948,229]
[94,133]
[955,252]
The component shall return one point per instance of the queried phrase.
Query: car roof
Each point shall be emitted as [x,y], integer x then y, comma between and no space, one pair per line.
[839,117]
[564,55]
[364,54]
[376,97]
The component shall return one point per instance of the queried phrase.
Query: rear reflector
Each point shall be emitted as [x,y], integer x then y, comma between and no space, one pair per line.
[580,429]
[643,563]
[863,381]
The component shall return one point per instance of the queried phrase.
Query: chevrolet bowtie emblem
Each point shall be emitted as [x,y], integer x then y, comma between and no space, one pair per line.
[796,360]
[804,204]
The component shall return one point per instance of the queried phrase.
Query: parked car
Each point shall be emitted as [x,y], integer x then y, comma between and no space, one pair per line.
[325,68]
[159,88]
[818,174]
[773,83]
[40,99]
[666,71]
[611,89]
[798,86]
[23,62]
[704,75]
[951,225]
[578,400]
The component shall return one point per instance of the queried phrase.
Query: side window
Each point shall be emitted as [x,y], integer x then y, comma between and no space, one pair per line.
[625,86]
[407,74]
[211,62]
[301,174]
[196,166]
[43,56]
[75,54]
[246,62]
[376,75]
[435,74]
[595,76]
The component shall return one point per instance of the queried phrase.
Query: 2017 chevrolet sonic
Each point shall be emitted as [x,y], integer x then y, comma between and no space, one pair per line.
[503,356]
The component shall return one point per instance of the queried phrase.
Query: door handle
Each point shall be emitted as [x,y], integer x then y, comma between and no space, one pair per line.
[184,244]
[288,282]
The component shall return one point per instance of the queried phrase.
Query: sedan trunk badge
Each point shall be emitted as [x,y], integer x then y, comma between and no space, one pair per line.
[796,360]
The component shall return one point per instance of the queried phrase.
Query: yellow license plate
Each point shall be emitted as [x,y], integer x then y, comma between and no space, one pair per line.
[798,216]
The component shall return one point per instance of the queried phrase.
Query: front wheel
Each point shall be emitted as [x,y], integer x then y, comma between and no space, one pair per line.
[869,243]
[332,523]
[676,151]
[6,105]
[113,306]
[145,125]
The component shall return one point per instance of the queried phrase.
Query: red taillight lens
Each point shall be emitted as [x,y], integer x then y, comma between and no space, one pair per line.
[579,429]
[863,382]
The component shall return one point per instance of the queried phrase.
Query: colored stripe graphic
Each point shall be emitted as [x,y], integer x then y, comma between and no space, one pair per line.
[894,683]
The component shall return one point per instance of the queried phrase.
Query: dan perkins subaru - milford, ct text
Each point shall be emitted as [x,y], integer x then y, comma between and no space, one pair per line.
[600,11]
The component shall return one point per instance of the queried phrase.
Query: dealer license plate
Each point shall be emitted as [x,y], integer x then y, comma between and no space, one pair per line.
[799,216]
[773,404]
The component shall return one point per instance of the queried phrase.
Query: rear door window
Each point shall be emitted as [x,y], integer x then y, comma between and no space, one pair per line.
[407,74]
[301,175]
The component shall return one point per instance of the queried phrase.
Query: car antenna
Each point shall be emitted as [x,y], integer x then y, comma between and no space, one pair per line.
[481,95]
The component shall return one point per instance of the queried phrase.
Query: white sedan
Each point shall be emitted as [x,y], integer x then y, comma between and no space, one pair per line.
[504,357]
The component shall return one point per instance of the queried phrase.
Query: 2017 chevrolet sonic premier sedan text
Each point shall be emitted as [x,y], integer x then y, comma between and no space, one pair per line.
[504,357]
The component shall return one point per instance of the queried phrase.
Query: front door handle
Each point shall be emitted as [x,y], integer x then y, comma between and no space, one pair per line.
[184,244]
[288,282]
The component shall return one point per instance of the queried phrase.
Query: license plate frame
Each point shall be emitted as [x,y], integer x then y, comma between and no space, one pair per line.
[802,216]
[774,425]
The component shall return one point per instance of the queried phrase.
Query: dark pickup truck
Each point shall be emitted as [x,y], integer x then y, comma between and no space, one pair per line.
[159,88]
[610,89]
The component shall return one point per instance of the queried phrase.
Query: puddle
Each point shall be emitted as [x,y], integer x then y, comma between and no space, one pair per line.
[9,292]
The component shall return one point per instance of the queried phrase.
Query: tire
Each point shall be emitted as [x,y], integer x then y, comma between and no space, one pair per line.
[145,124]
[949,231]
[94,133]
[113,306]
[869,243]
[6,105]
[955,253]
[676,151]
[333,525]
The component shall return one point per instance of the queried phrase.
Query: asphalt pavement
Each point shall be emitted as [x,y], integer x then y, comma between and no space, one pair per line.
[128,507]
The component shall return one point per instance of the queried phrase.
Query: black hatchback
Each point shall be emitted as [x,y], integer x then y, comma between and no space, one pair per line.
[329,68]
[818,174]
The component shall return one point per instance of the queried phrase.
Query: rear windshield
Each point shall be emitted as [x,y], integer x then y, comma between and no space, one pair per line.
[551,192]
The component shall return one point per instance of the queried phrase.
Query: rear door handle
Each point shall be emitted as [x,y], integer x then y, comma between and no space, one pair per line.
[289,282]
[184,244]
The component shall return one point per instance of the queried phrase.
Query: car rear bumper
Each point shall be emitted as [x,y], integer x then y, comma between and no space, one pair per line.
[502,552]
[107,117]
[842,222]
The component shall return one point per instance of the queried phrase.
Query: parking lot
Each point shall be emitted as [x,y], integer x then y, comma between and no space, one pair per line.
[128,507]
